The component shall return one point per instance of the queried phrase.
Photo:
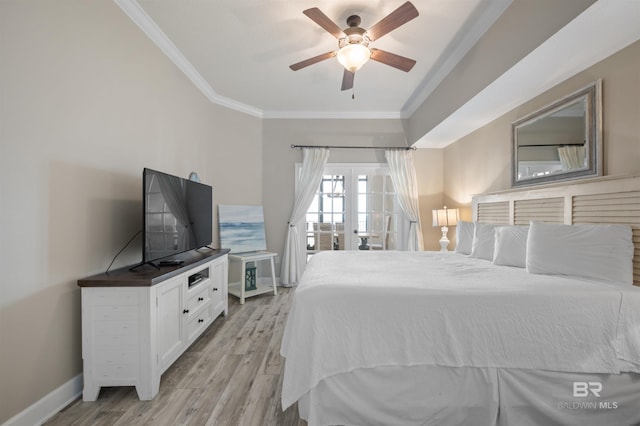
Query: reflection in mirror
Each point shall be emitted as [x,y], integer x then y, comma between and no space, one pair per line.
[561,141]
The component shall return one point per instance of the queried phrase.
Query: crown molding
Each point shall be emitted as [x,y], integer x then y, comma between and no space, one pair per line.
[135,12]
[140,17]
[333,115]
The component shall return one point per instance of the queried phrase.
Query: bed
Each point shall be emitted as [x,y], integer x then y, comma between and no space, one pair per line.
[430,338]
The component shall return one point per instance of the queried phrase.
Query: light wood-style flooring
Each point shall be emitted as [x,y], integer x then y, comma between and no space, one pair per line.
[232,375]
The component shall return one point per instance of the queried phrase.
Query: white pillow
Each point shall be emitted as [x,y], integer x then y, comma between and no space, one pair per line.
[483,241]
[511,246]
[464,237]
[597,252]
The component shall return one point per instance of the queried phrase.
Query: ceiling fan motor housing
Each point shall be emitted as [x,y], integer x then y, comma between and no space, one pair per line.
[354,35]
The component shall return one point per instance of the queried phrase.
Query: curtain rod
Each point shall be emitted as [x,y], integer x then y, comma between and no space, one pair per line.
[552,144]
[398,148]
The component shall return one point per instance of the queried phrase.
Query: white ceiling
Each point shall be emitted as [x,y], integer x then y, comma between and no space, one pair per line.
[238,52]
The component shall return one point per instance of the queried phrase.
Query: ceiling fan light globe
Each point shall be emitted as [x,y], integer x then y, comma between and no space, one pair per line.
[353,56]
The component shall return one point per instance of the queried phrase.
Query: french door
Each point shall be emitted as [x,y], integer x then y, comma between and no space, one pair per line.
[355,208]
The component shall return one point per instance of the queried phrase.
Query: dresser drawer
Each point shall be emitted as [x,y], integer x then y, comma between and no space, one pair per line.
[199,322]
[199,297]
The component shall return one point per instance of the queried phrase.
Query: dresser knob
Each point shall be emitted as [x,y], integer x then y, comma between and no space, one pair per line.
[215,289]
[186,311]
[200,320]
[200,299]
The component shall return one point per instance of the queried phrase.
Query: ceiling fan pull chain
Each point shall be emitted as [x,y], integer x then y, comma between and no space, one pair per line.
[353,92]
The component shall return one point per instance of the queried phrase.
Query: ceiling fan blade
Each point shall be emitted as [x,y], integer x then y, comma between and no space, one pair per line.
[347,80]
[398,17]
[313,60]
[317,16]
[391,59]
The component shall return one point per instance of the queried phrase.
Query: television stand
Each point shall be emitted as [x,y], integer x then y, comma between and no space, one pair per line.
[136,324]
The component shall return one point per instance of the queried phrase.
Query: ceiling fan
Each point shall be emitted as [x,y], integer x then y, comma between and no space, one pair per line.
[353,42]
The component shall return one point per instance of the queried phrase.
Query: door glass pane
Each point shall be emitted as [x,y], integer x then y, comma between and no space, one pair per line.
[376,202]
[325,217]
[377,213]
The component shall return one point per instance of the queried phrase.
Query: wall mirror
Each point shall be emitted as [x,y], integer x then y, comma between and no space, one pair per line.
[561,141]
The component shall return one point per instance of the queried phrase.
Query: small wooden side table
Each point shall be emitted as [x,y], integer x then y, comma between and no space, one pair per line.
[237,271]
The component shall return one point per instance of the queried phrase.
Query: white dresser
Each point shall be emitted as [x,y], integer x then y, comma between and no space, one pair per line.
[135,324]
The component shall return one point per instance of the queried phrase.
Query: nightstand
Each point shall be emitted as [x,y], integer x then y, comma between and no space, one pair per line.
[237,271]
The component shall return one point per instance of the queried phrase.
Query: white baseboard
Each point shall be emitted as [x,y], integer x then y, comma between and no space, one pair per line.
[42,410]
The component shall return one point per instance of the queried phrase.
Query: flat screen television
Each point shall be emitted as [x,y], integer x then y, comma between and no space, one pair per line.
[177,215]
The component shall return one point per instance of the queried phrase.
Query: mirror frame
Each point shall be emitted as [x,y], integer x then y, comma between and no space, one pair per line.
[592,94]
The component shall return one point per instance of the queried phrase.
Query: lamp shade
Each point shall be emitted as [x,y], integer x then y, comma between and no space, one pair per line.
[445,217]
[353,56]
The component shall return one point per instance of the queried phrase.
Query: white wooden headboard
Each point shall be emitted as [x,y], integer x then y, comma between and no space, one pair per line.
[601,200]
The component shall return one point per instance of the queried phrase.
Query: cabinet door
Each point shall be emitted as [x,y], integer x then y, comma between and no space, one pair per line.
[219,271]
[171,333]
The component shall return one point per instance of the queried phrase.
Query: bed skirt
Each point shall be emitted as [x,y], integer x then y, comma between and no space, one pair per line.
[432,395]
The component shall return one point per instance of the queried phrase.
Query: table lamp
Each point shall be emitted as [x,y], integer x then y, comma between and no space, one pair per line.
[444,218]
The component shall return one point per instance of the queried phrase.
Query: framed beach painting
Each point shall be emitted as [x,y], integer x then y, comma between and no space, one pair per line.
[242,228]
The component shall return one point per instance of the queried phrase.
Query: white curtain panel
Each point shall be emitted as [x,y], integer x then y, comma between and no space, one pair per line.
[403,175]
[294,257]
[572,157]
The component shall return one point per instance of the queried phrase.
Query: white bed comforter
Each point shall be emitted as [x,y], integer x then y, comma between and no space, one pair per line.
[370,309]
